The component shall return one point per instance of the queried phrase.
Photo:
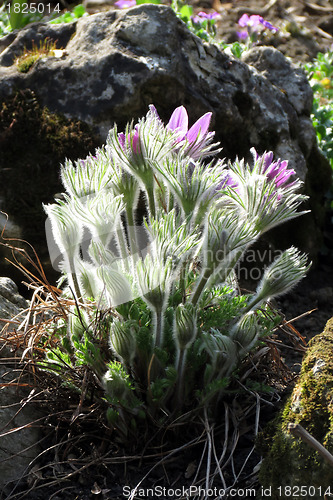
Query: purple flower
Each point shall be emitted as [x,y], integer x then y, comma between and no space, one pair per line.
[254,22]
[196,140]
[203,17]
[125,4]
[227,180]
[210,16]
[250,21]
[179,122]
[132,141]
[268,25]
[242,35]
[276,170]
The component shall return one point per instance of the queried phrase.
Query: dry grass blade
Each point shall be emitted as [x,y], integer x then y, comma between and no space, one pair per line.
[160,462]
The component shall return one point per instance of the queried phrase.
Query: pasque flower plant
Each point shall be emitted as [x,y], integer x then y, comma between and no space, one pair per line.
[150,233]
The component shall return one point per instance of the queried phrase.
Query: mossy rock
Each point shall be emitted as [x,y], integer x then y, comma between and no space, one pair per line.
[33,143]
[290,462]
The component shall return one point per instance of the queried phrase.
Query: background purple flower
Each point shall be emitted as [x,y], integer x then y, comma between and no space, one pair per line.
[250,21]
[125,4]
[255,22]
[242,35]
[203,16]
[268,25]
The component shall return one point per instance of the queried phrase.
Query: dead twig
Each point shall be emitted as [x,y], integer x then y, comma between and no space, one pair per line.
[299,431]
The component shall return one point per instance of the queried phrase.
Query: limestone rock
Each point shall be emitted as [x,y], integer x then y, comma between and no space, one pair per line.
[116,63]
[19,433]
[18,439]
[11,302]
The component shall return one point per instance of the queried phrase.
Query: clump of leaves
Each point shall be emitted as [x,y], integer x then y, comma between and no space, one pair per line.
[201,24]
[70,15]
[27,59]
[156,312]
[16,16]
[320,74]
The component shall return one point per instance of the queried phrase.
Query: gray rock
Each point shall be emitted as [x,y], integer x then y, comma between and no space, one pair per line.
[11,302]
[11,232]
[19,432]
[116,63]
[323,296]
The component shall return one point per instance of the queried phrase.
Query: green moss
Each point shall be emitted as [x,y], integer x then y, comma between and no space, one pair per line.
[34,142]
[28,58]
[290,461]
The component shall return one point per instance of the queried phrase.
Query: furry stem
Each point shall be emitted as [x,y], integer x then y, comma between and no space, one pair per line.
[158,326]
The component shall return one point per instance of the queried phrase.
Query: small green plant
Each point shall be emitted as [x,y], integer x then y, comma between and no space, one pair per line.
[320,74]
[153,308]
[71,15]
[19,13]
[253,29]
[25,61]
[201,24]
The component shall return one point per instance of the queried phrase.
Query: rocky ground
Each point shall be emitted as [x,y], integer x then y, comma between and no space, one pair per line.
[305,27]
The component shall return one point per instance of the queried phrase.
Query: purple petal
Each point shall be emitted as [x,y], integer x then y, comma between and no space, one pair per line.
[273,170]
[179,121]
[200,128]
[204,15]
[227,180]
[283,177]
[125,4]
[242,35]
[135,142]
[268,158]
[254,21]
[214,15]
[254,154]
[268,25]
[153,110]
[121,139]
[244,21]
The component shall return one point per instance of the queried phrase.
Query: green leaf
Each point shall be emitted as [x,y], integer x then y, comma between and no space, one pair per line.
[17,19]
[156,2]
[186,11]
[79,10]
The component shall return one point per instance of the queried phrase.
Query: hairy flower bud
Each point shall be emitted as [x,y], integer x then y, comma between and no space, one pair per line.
[115,382]
[245,332]
[185,325]
[282,275]
[122,340]
[222,351]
